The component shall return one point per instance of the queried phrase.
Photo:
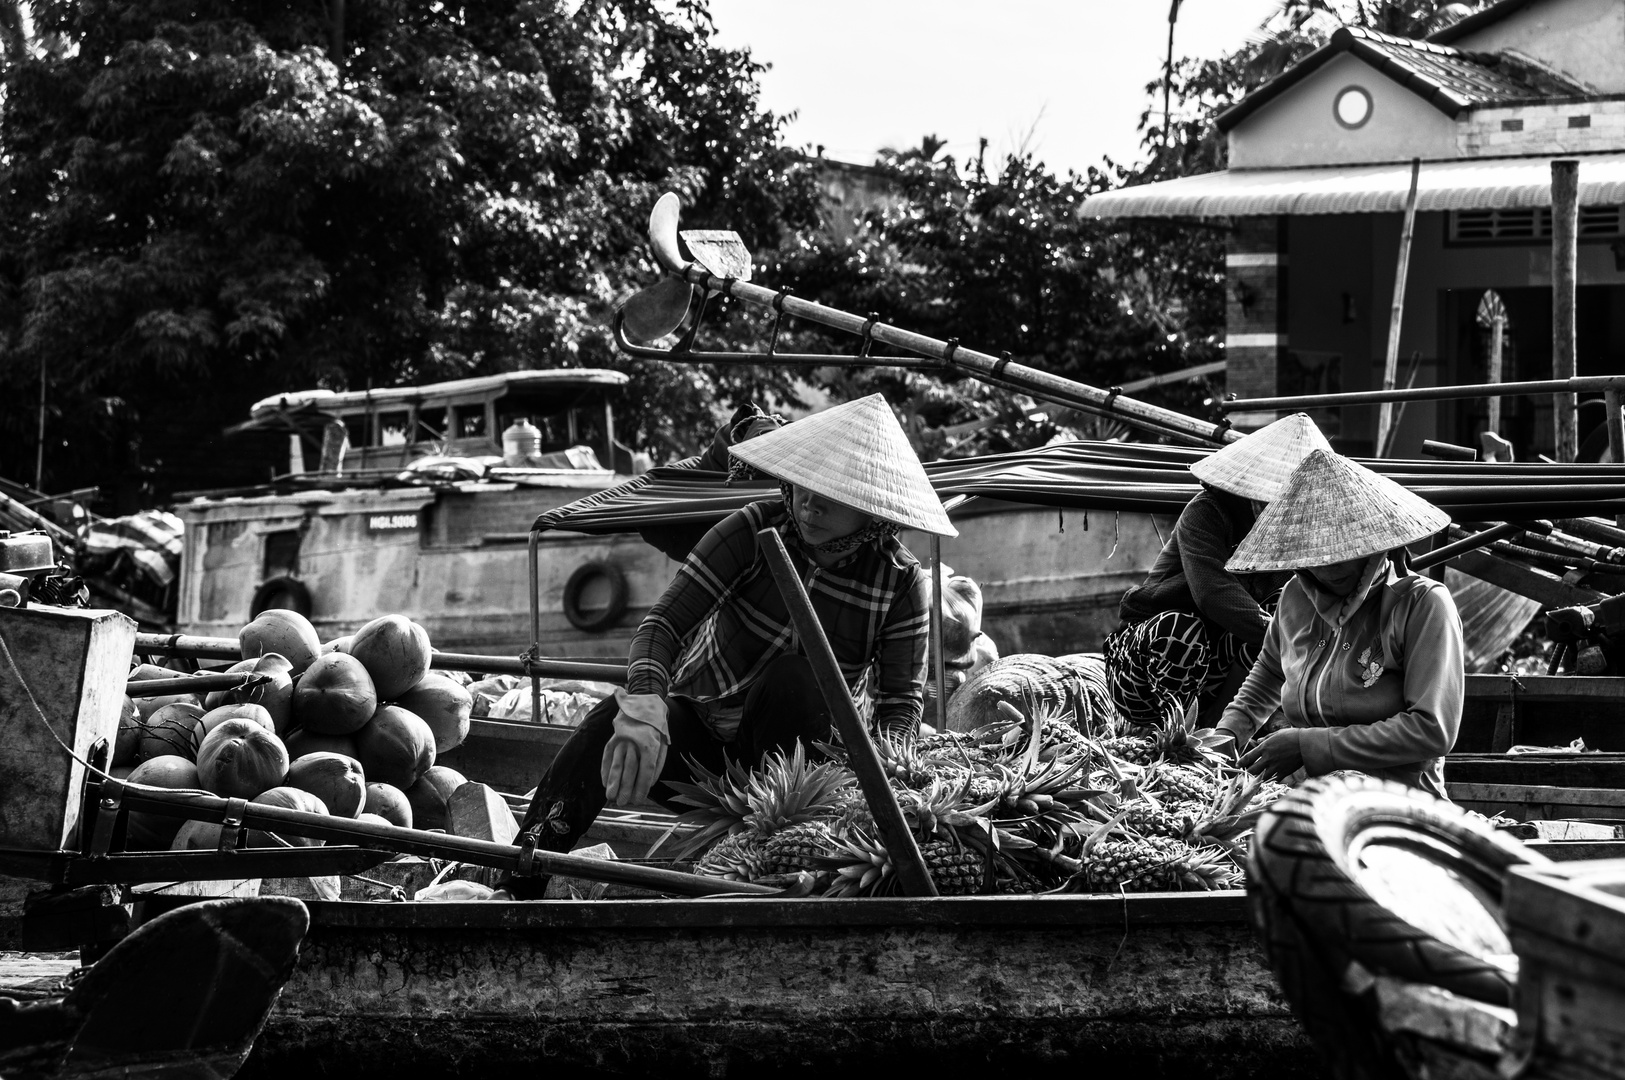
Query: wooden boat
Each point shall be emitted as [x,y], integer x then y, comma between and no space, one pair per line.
[182,996]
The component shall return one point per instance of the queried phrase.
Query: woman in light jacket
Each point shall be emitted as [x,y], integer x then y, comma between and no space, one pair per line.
[1364,656]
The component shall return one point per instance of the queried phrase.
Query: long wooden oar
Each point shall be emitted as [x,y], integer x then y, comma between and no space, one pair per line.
[912,874]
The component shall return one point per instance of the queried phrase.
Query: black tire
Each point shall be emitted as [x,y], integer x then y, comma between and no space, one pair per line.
[280,592]
[1343,1026]
[597,621]
[1307,852]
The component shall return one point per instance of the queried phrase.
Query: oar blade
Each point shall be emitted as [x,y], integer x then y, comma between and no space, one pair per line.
[720,251]
[658,310]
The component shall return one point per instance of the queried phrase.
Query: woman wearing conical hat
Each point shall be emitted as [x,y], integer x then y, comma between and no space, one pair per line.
[715,668]
[1364,657]
[1192,629]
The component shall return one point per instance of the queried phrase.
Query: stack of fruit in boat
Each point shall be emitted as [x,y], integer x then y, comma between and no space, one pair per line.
[1051,793]
[350,728]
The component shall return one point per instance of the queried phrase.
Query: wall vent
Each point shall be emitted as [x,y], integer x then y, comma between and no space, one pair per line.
[1518,224]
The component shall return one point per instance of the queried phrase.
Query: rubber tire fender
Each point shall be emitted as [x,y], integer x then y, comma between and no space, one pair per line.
[295,592]
[1304,852]
[577,584]
[1344,1028]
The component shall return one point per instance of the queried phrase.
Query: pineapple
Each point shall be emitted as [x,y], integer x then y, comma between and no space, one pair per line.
[736,857]
[799,847]
[1187,783]
[1155,864]
[954,869]
[1132,749]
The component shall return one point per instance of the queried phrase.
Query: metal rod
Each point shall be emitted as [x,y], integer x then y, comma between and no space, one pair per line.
[206,648]
[39,445]
[912,874]
[1565,252]
[1498,326]
[201,806]
[1579,384]
[1448,451]
[1616,434]
[1396,315]
[959,358]
[1476,540]
[535,578]
[938,662]
[189,684]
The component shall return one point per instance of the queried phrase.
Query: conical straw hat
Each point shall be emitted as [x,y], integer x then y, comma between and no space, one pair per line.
[856,454]
[1257,465]
[1333,510]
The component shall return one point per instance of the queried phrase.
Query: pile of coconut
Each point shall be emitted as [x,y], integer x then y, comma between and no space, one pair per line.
[350,728]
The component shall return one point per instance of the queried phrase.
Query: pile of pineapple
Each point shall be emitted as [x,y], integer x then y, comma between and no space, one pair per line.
[1034,802]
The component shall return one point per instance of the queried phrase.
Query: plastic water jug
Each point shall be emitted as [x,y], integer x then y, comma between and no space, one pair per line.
[521,442]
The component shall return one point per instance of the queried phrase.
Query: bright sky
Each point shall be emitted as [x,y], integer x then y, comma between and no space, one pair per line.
[1065,78]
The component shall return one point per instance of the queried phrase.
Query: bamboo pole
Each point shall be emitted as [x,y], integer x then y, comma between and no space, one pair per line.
[912,874]
[1565,252]
[1396,314]
[947,354]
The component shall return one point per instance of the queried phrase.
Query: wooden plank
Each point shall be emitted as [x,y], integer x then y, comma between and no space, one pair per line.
[1228,906]
[1548,590]
[1538,794]
[1547,687]
[1506,727]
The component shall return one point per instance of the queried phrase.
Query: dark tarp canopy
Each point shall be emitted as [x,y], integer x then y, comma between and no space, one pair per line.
[679,501]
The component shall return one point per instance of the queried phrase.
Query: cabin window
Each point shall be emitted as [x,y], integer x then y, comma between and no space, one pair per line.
[392,428]
[471,422]
[1528,223]
[431,426]
[281,553]
[1352,106]
[356,428]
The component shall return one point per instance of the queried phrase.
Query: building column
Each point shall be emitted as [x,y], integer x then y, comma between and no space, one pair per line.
[1255,312]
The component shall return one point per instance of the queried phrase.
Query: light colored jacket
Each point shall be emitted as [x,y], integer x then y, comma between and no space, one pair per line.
[1377,689]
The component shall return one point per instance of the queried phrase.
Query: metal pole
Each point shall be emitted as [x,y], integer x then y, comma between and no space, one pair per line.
[535,627]
[1498,327]
[201,806]
[1580,384]
[1477,540]
[1616,435]
[1565,251]
[1396,315]
[939,663]
[912,874]
[39,446]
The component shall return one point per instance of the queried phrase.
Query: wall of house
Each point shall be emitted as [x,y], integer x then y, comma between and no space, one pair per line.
[1340,283]
[1584,39]
[1299,127]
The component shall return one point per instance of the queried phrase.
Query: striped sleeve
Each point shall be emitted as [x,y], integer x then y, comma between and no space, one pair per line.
[705,579]
[900,653]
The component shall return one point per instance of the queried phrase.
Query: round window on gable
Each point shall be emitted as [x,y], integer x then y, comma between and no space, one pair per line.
[1352,107]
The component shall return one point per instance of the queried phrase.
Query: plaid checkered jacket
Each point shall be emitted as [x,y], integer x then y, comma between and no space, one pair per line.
[722,621]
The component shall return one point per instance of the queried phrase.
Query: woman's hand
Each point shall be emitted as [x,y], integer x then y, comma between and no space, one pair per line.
[1278,755]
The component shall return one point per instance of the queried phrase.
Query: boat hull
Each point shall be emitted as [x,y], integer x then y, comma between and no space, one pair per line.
[1168,984]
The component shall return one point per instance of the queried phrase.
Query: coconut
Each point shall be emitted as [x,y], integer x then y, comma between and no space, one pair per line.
[174,729]
[395,651]
[147,831]
[335,695]
[388,802]
[273,691]
[239,759]
[289,798]
[445,705]
[129,733]
[395,746]
[431,797]
[333,778]
[279,630]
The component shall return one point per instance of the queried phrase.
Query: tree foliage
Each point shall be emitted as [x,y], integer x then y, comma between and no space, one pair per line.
[204,202]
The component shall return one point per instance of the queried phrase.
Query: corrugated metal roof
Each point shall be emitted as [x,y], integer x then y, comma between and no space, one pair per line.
[1477,184]
[1450,80]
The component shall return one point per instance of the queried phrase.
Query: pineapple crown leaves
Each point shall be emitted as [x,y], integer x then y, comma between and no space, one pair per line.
[788,789]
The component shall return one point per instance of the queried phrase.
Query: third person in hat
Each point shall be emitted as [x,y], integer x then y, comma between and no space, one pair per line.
[1364,655]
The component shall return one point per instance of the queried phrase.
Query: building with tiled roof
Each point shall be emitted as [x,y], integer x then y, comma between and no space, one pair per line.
[1318,177]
